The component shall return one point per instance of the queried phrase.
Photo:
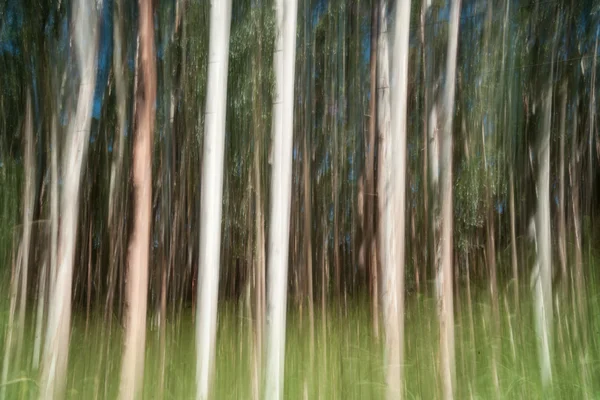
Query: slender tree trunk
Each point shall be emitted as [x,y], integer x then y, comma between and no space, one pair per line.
[425,111]
[212,193]
[28,210]
[56,347]
[284,59]
[369,198]
[392,221]
[259,259]
[444,269]
[592,116]
[513,236]
[575,207]
[308,233]
[562,234]
[132,370]
[542,273]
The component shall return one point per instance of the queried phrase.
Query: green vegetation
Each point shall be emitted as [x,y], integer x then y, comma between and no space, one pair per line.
[348,364]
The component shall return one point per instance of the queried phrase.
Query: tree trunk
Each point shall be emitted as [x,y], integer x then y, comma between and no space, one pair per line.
[562,234]
[281,186]
[308,230]
[592,116]
[259,259]
[369,198]
[444,268]
[513,236]
[28,210]
[132,369]
[56,346]
[392,221]
[542,273]
[212,194]
[425,111]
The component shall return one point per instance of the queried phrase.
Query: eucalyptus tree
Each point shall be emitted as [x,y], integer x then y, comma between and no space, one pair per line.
[28,210]
[444,267]
[212,192]
[542,272]
[56,348]
[378,60]
[393,200]
[284,59]
[132,369]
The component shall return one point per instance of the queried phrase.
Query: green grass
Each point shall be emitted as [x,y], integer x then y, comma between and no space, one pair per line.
[348,361]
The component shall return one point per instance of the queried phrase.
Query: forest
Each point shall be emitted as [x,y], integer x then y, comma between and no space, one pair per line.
[299,199]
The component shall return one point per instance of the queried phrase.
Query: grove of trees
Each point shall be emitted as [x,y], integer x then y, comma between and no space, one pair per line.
[301,162]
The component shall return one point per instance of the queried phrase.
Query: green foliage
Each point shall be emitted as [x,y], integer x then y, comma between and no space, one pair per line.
[348,361]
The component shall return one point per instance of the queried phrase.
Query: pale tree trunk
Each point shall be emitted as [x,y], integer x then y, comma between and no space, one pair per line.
[281,186]
[562,234]
[28,209]
[392,221]
[132,368]
[212,193]
[542,276]
[542,272]
[369,197]
[444,269]
[513,235]
[56,346]
[259,259]
[383,131]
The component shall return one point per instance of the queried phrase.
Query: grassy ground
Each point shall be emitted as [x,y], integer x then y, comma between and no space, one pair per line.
[347,360]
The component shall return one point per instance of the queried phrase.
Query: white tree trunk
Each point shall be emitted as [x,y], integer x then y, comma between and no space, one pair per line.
[389,296]
[132,369]
[212,194]
[28,206]
[542,273]
[393,202]
[284,59]
[56,347]
[445,296]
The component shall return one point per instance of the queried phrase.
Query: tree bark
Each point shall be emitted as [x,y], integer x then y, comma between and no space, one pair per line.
[444,268]
[392,221]
[132,369]
[369,198]
[56,346]
[212,194]
[28,210]
[281,186]
[562,234]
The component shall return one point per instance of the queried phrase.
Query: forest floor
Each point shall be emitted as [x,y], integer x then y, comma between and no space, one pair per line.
[494,356]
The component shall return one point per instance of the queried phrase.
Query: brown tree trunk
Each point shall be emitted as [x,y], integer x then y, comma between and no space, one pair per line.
[444,269]
[132,372]
[369,195]
[425,111]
